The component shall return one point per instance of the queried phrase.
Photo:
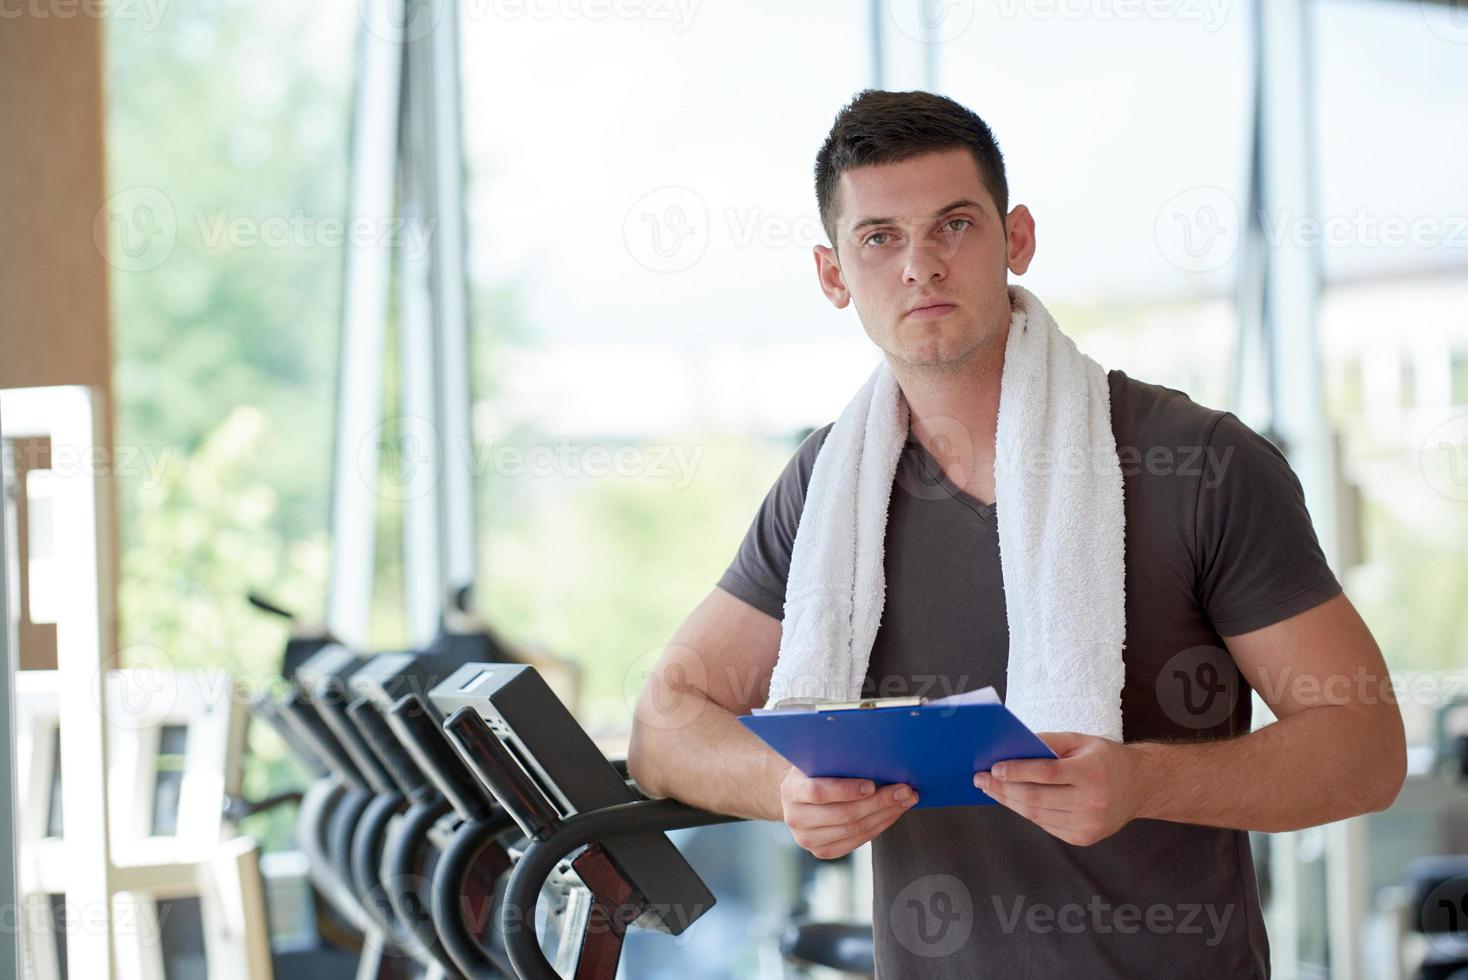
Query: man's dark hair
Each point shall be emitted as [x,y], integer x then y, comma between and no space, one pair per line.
[880,127]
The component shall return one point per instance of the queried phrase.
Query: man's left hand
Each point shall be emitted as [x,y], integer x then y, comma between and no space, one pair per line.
[1085,796]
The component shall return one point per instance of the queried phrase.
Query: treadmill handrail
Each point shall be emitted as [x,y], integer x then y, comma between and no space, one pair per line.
[578,830]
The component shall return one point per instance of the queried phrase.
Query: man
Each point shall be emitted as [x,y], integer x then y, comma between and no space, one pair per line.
[1118,859]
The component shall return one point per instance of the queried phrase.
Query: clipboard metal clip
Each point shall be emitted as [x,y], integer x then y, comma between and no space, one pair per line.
[868,703]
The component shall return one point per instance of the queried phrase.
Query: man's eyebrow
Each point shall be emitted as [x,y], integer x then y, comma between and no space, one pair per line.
[962,202]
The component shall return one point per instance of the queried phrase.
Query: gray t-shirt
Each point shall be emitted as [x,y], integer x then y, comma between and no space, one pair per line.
[1218,543]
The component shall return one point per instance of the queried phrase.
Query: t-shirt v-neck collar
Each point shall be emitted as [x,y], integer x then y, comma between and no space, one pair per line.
[934,473]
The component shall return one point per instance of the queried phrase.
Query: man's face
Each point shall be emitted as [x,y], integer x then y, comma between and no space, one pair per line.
[923,254]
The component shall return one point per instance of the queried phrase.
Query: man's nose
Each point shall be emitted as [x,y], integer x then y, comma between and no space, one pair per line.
[924,263]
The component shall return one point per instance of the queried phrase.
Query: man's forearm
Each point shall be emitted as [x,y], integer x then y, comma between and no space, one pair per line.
[1314,767]
[709,760]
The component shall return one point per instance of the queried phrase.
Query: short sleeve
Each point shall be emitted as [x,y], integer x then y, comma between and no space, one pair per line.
[1258,559]
[761,567]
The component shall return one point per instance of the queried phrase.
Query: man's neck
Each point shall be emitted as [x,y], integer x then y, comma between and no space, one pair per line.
[954,410]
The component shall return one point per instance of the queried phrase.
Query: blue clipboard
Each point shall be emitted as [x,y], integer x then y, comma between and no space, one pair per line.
[934,748]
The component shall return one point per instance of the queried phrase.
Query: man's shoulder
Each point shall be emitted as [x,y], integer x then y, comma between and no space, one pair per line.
[804,460]
[1146,415]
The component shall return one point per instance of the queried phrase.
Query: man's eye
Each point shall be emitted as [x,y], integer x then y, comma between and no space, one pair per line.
[959,224]
[872,239]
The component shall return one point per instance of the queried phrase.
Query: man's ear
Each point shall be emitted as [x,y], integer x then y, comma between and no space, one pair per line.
[833,283]
[1020,231]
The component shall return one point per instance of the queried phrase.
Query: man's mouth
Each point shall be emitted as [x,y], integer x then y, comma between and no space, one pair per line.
[929,311]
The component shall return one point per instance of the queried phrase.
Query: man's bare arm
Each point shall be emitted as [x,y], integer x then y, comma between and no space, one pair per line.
[686,737]
[1336,751]
[687,741]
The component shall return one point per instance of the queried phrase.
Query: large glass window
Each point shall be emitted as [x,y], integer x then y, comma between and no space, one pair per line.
[1126,133]
[1393,209]
[650,337]
[227,126]
[228,122]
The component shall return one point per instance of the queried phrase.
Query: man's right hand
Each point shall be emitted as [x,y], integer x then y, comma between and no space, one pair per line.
[831,817]
[687,741]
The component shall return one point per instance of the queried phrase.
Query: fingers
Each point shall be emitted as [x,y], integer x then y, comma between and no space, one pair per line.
[1059,819]
[1032,771]
[846,845]
[813,815]
[826,789]
[1036,803]
[1064,743]
[1030,794]
[830,829]
[810,837]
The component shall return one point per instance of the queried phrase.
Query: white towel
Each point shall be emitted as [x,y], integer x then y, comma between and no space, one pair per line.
[1058,497]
